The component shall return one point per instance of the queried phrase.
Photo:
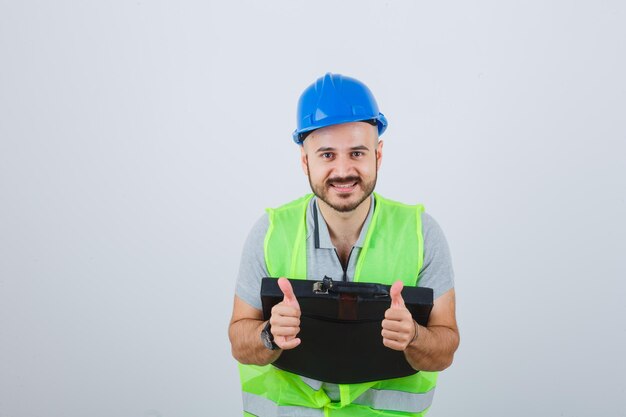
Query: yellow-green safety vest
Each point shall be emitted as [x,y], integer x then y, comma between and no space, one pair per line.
[393,249]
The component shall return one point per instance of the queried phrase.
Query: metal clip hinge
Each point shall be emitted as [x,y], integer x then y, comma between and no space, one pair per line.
[322,287]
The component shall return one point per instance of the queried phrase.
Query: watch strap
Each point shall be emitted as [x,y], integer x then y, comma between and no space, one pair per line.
[268,338]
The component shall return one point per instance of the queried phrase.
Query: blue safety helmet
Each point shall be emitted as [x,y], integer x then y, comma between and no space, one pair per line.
[335,99]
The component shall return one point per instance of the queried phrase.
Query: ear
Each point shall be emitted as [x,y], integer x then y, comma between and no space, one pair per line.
[304,161]
[379,154]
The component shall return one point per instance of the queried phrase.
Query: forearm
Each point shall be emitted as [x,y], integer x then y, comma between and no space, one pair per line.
[433,349]
[246,344]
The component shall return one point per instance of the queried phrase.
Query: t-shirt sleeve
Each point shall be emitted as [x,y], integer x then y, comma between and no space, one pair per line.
[437,272]
[252,266]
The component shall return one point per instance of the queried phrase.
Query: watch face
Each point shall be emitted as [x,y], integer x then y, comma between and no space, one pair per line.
[267,338]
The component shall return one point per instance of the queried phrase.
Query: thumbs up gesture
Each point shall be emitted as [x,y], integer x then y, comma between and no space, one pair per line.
[285,318]
[399,328]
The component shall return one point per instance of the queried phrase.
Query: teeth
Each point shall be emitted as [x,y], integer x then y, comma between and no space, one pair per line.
[344,185]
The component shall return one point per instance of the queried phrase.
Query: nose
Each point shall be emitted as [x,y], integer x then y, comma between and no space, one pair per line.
[344,167]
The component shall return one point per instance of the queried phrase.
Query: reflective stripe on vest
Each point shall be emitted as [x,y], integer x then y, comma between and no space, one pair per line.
[313,383]
[396,400]
[392,250]
[262,407]
[380,399]
[377,399]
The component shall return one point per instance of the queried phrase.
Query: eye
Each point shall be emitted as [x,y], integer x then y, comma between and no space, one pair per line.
[327,155]
[357,154]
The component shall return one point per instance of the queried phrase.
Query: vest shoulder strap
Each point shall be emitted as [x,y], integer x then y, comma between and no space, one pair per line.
[285,241]
[394,244]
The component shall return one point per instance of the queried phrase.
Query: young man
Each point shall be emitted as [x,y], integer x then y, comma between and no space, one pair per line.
[343,230]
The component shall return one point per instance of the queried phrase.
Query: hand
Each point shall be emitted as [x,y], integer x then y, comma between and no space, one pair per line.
[285,318]
[399,328]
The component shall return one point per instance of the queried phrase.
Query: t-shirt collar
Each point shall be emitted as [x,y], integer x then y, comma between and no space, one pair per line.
[321,235]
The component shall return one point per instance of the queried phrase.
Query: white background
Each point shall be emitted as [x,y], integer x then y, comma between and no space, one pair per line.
[140,140]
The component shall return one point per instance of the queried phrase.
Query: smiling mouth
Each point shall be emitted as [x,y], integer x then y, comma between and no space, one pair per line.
[344,187]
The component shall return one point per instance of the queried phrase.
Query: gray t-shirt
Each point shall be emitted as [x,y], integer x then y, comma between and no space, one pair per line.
[322,259]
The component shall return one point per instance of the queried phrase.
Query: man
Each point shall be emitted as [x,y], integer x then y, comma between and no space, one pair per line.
[344,231]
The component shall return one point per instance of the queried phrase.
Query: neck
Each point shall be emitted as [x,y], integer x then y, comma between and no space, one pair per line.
[345,227]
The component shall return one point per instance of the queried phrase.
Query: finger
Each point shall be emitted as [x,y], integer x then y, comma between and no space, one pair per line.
[398,314]
[398,326]
[282,310]
[396,294]
[392,344]
[391,335]
[287,344]
[395,340]
[284,321]
[289,297]
[287,332]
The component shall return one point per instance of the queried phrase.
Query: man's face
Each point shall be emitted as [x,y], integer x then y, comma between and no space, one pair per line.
[341,162]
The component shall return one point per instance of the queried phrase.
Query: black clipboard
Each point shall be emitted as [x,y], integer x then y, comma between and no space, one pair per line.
[340,329]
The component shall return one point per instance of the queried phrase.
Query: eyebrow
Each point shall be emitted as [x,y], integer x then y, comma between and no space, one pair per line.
[354,148]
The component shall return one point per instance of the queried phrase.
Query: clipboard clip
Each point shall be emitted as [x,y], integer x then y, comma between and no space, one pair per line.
[322,287]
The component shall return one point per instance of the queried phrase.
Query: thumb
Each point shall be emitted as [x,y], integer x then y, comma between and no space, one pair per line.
[396,294]
[290,297]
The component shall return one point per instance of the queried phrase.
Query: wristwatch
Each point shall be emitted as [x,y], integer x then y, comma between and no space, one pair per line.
[268,338]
